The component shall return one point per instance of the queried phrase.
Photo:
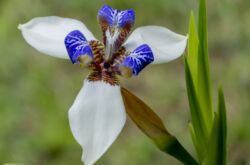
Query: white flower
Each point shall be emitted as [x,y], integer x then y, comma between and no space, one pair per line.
[97,115]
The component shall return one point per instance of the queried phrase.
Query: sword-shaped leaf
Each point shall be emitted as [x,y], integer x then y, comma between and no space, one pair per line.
[217,149]
[204,82]
[196,114]
[193,44]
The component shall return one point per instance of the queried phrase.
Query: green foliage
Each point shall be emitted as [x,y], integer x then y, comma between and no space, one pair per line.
[208,131]
[193,41]
[222,129]
[218,138]
[197,127]
[203,75]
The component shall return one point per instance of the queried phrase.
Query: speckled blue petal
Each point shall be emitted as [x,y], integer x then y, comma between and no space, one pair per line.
[114,17]
[77,45]
[139,58]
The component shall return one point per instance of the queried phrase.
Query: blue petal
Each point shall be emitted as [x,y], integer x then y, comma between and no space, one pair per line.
[116,25]
[115,17]
[139,58]
[107,14]
[126,18]
[77,45]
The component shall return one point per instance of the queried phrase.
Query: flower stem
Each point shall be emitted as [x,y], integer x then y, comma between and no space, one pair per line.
[175,149]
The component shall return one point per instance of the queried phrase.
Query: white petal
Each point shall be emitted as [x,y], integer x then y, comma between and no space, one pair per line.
[96,118]
[47,34]
[165,44]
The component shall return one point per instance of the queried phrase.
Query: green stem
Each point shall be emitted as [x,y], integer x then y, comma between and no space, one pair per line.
[175,149]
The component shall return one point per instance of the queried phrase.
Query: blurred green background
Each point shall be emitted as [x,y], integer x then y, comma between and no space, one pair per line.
[36,91]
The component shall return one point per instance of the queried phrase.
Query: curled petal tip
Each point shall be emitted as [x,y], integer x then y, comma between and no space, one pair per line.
[25,25]
[20,27]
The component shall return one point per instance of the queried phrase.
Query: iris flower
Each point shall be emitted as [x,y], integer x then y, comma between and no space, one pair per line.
[98,114]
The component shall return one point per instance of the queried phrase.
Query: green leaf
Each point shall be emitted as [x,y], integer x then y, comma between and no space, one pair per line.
[204,82]
[148,121]
[197,118]
[193,44]
[198,74]
[218,140]
[195,142]
[222,128]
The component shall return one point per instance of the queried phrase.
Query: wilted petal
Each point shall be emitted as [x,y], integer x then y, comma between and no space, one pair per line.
[47,34]
[165,44]
[150,123]
[96,118]
[145,118]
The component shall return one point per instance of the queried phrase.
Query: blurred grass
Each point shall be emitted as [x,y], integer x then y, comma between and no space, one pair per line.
[36,91]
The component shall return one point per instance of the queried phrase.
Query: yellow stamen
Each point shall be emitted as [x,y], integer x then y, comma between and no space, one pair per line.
[84,60]
[126,72]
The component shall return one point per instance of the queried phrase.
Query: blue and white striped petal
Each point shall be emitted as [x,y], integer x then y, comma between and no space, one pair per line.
[107,14]
[138,59]
[116,26]
[77,45]
[114,17]
[125,18]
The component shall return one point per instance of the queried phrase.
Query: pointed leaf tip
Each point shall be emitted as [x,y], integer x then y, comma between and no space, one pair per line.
[222,126]
[217,149]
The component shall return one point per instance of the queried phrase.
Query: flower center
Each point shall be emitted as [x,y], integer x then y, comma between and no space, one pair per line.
[109,58]
[105,69]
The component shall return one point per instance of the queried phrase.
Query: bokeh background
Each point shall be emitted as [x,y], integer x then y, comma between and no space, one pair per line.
[36,91]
